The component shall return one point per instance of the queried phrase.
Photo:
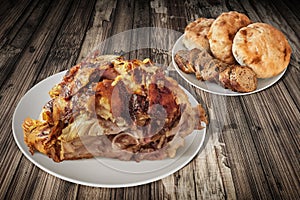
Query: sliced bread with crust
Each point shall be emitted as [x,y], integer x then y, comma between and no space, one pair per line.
[239,78]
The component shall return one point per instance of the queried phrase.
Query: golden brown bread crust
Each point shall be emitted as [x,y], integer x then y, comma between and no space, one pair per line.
[263,48]
[239,78]
[222,32]
[232,37]
[195,34]
[224,78]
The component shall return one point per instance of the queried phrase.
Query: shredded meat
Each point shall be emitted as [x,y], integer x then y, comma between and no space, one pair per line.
[114,108]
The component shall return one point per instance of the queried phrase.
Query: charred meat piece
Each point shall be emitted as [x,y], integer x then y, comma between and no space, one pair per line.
[212,69]
[182,58]
[115,108]
[205,67]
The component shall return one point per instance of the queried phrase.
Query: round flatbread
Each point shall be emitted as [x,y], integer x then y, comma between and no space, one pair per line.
[263,48]
[195,34]
[222,32]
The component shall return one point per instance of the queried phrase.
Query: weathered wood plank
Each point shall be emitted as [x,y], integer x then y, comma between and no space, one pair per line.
[286,12]
[286,94]
[141,19]
[165,188]
[16,86]
[119,41]
[37,184]
[213,8]
[63,52]
[245,183]
[10,16]
[243,156]
[10,34]
[184,184]
[212,160]
[132,192]
[100,29]
[8,163]
[291,80]
[241,153]
[195,180]
[280,175]
[27,172]
[29,62]
[180,185]
[66,47]
[294,6]
[4,7]
[159,18]
[276,125]
[137,192]
[18,37]
[86,192]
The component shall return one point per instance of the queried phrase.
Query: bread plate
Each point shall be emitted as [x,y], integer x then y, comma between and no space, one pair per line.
[212,87]
[99,172]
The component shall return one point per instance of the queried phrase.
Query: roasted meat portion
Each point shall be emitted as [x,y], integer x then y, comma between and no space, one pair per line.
[111,107]
[205,67]
[208,68]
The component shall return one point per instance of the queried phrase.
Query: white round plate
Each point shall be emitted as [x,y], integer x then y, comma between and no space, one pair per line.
[99,172]
[214,87]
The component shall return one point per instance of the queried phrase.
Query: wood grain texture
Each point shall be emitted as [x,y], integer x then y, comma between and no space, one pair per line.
[17,39]
[10,13]
[12,90]
[272,132]
[141,37]
[61,53]
[252,148]
[66,47]
[99,28]
[208,167]
[11,32]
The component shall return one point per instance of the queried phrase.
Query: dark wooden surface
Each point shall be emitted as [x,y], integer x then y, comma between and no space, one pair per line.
[252,145]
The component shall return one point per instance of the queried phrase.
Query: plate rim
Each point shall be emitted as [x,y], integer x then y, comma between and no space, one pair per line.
[230,92]
[109,185]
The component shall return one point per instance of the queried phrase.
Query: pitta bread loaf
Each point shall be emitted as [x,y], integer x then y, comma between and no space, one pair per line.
[195,34]
[263,48]
[222,32]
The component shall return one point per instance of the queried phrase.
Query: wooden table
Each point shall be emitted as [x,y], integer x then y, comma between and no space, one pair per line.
[252,145]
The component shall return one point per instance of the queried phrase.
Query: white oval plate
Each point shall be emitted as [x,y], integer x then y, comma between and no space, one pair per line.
[98,172]
[214,87]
